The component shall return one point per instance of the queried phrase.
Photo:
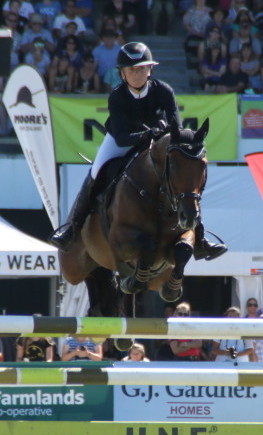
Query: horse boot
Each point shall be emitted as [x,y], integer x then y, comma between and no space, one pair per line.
[65,235]
[205,249]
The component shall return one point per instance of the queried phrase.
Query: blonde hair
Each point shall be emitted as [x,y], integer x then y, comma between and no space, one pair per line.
[137,346]
[184,305]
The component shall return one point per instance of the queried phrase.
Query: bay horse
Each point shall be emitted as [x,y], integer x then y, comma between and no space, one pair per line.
[147,231]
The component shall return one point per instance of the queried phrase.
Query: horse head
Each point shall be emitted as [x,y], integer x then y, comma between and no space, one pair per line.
[186,172]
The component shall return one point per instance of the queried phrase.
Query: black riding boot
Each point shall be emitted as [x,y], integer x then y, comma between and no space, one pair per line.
[205,249]
[64,236]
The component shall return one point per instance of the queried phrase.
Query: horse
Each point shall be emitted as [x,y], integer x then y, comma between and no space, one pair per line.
[144,229]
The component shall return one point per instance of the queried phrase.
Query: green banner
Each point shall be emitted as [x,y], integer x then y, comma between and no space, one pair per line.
[83,403]
[77,122]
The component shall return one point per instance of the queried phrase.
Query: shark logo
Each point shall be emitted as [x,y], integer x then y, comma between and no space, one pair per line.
[24,95]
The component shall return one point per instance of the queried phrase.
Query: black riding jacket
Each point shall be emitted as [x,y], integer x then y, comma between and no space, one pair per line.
[129,116]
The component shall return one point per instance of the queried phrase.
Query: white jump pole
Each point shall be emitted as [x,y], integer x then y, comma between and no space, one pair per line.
[150,373]
[188,328]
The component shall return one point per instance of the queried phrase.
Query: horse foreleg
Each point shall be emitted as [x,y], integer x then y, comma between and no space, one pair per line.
[138,281]
[172,290]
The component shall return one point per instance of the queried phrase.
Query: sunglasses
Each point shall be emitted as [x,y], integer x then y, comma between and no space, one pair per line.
[182,314]
[252,305]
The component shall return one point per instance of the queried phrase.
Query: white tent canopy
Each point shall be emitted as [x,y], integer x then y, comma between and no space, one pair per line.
[24,256]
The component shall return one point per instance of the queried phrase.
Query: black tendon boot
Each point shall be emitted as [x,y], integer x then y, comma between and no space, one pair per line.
[205,249]
[64,236]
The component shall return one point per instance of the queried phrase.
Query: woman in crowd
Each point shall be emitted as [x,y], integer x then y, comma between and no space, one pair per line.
[184,349]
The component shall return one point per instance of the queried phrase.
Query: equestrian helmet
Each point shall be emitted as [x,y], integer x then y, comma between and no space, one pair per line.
[134,54]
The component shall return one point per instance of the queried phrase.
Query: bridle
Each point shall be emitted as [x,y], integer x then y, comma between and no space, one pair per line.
[164,180]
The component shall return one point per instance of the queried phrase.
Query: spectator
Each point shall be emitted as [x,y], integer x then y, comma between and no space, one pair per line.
[212,40]
[162,13]
[236,5]
[123,14]
[251,66]
[61,76]
[12,23]
[252,313]
[80,347]
[34,349]
[259,90]
[218,18]
[105,54]
[252,308]
[39,59]
[49,10]
[185,350]
[109,23]
[233,80]
[36,33]
[88,78]
[72,49]
[112,79]
[212,60]
[232,350]
[244,36]
[136,353]
[243,16]
[195,21]
[69,15]
[169,309]
[24,9]
[85,9]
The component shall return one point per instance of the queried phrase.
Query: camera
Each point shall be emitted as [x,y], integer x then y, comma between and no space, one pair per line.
[232,352]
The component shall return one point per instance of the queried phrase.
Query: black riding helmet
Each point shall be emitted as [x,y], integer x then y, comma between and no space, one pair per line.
[135,54]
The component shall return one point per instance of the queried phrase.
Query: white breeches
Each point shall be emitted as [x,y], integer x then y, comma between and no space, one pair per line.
[108,150]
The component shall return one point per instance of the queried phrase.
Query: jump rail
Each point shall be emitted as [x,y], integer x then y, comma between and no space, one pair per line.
[205,328]
[209,374]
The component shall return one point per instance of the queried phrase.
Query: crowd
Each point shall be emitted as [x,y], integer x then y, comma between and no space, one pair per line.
[75,49]
[84,348]
[226,41]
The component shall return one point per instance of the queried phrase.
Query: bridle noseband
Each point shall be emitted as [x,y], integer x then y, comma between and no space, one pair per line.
[165,184]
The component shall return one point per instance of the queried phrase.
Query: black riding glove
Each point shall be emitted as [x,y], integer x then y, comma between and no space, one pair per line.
[153,133]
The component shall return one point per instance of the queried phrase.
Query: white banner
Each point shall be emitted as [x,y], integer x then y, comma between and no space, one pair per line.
[26,102]
[188,403]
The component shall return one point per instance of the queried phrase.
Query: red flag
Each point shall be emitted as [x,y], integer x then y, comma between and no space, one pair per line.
[255,163]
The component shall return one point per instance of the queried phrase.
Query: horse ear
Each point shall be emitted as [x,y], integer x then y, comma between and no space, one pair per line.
[202,132]
[175,131]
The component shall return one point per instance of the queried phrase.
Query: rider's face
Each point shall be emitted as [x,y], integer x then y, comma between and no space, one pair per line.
[136,76]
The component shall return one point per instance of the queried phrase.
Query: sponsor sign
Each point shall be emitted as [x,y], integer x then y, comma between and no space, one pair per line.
[188,403]
[57,403]
[252,116]
[26,101]
[78,124]
[112,428]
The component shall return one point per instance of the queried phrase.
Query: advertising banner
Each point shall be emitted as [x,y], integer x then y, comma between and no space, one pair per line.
[78,403]
[188,403]
[128,428]
[26,101]
[252,116]
[79,122]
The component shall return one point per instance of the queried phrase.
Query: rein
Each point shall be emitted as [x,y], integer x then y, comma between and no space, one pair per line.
[164,178]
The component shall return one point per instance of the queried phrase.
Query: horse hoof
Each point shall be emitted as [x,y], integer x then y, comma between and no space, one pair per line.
[127,288]
[170,295]
[123,344]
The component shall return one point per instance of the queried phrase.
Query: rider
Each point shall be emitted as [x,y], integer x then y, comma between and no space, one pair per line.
[137,108]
